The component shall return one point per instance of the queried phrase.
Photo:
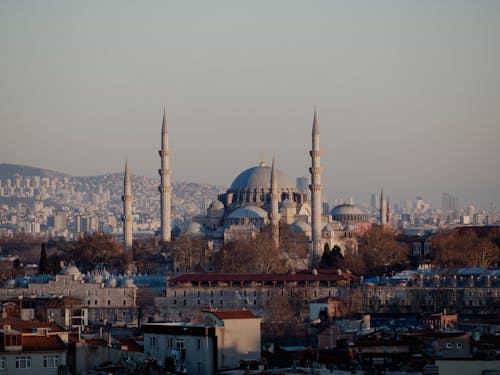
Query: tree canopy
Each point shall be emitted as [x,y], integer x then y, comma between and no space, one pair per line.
[97,248]
[466,248]
[378,252]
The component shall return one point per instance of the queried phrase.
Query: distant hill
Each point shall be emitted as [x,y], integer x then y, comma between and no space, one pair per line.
[188,198]
[10,170]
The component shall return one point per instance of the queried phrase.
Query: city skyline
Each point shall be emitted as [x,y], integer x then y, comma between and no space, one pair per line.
[407,92]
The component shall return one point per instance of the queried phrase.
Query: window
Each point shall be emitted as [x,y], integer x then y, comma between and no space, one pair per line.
[50,361]
[109,302]
[460,345]
[199,344]
[153,341]
[124,303]
[23,362]
[2,363]
[170,342]
[95,302]
[179,344]
[449,345]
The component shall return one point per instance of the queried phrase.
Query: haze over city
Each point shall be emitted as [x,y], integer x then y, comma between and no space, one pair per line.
[407,92]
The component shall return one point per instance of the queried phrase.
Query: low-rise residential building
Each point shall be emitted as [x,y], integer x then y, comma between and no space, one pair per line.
[102,298]
[223,340]
[26,346]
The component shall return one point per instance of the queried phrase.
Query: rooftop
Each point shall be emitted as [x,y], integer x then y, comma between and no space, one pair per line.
[320,275]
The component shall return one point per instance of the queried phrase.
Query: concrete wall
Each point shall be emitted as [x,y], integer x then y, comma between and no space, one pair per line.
[238,340]
[450,367]
[198,357]
[36,362]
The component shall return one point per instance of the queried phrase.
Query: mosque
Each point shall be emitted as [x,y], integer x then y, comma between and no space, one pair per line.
[259,196]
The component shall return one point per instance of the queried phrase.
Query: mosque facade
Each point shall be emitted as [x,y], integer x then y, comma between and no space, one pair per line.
[259,196]
[248,204]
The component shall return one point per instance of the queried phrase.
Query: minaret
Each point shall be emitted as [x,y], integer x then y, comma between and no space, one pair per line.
[389,213]
[165,187]
[127,211]
[275,216]
[316,188]
[383,209]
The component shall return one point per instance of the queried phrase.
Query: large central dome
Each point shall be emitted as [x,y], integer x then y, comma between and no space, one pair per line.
[259,177]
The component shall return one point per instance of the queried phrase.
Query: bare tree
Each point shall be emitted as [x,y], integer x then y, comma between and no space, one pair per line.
[465,249]
[379,252]
[250,255]
[97,248]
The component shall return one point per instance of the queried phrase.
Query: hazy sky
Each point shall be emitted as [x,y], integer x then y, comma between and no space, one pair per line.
[408,92]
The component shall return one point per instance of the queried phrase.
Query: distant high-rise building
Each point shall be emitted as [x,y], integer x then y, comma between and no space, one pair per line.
[58,221]
[383,209]
[303,184]
[373,201]
[450,202]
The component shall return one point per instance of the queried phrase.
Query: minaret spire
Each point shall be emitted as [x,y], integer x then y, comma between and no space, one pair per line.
[165,187]
[127,211]
[275,216]
[389,213]
[383,209]
[316,189]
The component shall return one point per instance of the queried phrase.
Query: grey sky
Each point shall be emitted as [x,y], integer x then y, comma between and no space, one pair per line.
[408,92]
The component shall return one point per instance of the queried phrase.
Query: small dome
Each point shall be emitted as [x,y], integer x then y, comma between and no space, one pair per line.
[111,282]
[287,203]
[96,278]
[216,205]
[327,228]
[350,227]
[128,283]
[192,228]
[70,270]
[335,225]
[301,227]
[252,212]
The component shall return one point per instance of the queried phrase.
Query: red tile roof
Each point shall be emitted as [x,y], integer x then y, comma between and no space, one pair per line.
[234,314]
[27,326]
[321,275]
[42,343]
[133,344]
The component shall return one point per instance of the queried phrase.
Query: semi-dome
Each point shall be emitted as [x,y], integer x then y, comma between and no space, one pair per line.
[287,203]
[259,177]
[216,205]
[301,227]
[70,270]
[192,228]
[251,212]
